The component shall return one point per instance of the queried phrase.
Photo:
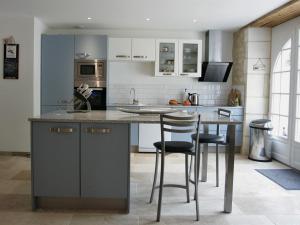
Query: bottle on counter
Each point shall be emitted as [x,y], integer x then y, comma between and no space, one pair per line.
[185,95]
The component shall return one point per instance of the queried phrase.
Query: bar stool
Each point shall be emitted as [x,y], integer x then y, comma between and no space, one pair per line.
[176,124]
[213,139]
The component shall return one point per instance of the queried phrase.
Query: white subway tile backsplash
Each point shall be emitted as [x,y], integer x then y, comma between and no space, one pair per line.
[210,94]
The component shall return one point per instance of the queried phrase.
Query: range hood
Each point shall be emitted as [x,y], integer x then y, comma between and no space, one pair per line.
[218,56]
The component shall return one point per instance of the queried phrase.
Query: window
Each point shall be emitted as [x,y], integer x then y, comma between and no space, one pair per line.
[280,93]
[297,128]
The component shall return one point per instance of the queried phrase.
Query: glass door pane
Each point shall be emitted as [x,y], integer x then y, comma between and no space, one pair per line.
[190,58]
[167,57]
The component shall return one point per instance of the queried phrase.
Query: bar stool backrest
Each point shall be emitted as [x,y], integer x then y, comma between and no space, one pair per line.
[224,113]
[179,124]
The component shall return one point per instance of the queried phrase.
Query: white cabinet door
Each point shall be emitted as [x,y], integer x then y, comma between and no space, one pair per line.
[190,58]
[143,49]
[148,134]
[166,63]
[119,49]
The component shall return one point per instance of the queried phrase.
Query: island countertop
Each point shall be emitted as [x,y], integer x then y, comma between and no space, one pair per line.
[115,116]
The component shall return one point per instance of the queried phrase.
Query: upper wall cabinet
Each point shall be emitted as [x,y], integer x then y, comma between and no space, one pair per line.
[166,63]
[143,49]
[119,49]
[135,49]
[91,46]
[190,58]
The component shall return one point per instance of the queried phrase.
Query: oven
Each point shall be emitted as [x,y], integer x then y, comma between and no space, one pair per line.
[97,99]
[91,72]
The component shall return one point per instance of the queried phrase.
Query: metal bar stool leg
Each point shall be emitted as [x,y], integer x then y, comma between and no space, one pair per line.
[161,184]
[197,166]
[187,178]
[155,175]
[196,178]
[217,165]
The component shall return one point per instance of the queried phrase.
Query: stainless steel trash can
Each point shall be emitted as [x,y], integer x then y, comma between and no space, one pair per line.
[260,145]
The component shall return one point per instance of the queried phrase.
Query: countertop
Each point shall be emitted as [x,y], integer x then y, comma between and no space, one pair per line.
[115,116]
[172,106]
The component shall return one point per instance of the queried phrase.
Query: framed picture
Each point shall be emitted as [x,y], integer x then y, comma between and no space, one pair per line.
[11,61]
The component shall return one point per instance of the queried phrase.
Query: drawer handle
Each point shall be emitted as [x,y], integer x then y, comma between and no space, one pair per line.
[122,56]
[93,130]
[61,130]
[140,57]
[169,74]
[184,74]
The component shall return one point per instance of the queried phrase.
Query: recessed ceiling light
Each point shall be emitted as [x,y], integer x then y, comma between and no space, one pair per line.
[194,21]
[89,18]
[148,19]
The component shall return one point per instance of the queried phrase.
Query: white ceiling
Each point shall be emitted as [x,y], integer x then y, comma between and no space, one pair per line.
[132,14]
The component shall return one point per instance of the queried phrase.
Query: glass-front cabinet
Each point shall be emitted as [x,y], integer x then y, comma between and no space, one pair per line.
[166,58]
[190,58]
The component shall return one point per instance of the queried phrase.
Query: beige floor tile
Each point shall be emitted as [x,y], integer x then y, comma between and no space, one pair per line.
[104,219]
[285,219]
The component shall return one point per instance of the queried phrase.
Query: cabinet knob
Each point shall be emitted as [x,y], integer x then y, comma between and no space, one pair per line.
[62,130]
[93,130]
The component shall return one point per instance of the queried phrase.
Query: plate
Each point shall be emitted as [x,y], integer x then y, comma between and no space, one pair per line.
[148,110]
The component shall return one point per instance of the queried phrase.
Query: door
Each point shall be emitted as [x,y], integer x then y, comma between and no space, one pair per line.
[119,49]
[285,102]
[143,49]
[91,46]
[57,75]
[295,153]
[190,58]
[105,152]
[166,63]
[55,159]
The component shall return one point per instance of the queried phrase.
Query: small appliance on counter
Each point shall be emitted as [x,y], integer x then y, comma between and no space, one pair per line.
[194,98]
[93,74]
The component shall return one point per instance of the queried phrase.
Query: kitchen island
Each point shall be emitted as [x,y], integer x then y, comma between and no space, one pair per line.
[82,160]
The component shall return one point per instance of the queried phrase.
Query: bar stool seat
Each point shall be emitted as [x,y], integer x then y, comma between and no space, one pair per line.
[209,138]
[176,146]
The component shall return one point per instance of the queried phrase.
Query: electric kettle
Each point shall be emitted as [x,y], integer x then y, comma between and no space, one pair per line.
[193,98]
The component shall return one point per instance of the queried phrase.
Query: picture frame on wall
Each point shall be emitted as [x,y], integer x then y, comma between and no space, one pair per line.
[11,61]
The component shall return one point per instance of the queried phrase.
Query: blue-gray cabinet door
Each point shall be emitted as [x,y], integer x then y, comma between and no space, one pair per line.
[55,159]
[57,75]
[105,152]
[94,45]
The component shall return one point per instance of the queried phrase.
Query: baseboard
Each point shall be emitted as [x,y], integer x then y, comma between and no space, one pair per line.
[24,154]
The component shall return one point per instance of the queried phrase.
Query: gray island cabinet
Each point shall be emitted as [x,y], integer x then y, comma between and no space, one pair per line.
[80,164]
[82,160]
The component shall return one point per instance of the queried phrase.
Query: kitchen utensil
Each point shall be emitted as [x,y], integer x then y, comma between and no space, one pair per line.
[193,98]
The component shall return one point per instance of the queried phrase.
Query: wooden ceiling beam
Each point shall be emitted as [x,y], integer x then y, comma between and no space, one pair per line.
[278,16]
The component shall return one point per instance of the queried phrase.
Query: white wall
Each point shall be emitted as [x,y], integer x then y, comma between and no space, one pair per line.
[258,46]
[17,96]
[39,29]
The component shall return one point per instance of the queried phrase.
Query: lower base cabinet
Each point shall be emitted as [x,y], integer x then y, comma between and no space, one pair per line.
[55,159]
[104,163]
[83,160]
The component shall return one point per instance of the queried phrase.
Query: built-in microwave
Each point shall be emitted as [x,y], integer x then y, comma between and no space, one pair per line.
[91,72]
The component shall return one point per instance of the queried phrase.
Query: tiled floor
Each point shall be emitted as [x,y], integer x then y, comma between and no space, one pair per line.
[257,200]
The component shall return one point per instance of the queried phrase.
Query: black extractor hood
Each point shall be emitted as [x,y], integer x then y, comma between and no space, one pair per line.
[218,56]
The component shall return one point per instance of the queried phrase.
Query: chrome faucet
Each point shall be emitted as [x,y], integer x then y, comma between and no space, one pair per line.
[135,101]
